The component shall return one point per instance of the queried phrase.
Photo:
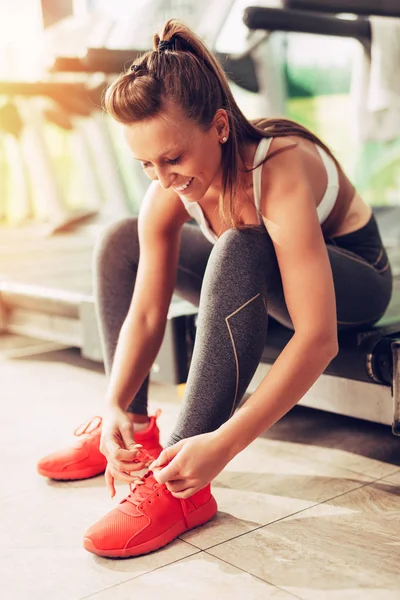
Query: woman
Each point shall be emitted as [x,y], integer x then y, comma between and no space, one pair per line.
[282,233]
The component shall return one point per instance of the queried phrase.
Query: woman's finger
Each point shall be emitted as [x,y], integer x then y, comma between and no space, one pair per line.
[123,475]
[108,446]
[177,485]
[167,455]
[114,451]
[110,481]
[126,431]
[184,494]
[168,473]
[128,467]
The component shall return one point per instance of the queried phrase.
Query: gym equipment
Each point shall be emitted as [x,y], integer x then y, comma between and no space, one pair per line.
[384,8]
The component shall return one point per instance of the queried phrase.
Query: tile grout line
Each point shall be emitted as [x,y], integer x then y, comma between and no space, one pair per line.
[106,589]
[287,516]
[206,551]
[181,559]
[282,519]
[277,521]
[334,464]
[389,475]
[255,576]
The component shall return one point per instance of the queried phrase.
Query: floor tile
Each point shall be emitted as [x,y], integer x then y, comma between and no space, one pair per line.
[195,578]
[394,478]
[361,446]
[267,482]
[346,548]
[70,573]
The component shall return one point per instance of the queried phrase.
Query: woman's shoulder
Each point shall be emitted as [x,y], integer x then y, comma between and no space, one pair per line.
[293,164]
[295,143]
[283,152]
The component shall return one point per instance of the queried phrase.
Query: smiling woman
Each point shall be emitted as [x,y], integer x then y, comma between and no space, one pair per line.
[270,199]
[191,165]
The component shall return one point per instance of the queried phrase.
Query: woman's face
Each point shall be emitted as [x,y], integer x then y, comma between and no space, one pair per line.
[176,152]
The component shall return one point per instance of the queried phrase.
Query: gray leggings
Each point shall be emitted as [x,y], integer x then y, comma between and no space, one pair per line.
[236,284]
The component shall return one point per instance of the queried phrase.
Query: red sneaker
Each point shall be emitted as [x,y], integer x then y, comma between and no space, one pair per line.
[148,519]
[84,458]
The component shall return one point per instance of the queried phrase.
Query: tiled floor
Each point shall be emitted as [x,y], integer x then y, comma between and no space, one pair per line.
[311,510]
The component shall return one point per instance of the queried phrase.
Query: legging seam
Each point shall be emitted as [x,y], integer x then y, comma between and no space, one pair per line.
[384,268]
[237,369]
[234,349]
[343,252]
[379,258]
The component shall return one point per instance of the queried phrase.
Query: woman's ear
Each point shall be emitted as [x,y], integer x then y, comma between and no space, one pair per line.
[221,123]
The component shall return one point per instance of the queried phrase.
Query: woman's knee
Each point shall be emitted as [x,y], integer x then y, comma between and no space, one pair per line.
[251,244]
[249,235]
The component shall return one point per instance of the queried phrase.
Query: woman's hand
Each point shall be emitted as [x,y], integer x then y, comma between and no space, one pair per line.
[190,464]
[118,446]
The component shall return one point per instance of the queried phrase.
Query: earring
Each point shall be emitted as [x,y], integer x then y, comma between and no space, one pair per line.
[224,139]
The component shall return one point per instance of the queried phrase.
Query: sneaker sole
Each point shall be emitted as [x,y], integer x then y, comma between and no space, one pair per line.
[71,475]
[202,515]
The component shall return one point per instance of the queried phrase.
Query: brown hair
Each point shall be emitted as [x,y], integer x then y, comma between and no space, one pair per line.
[185,75]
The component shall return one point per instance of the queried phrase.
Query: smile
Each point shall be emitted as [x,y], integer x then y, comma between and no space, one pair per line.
[184,186]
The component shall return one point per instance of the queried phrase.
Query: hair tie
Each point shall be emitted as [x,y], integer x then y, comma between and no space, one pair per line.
[169,45]
[135,68]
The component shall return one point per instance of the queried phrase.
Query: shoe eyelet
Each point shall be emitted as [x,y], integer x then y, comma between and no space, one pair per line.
[149,501]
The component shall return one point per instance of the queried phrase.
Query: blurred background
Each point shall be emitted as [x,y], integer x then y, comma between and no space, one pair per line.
[65,170]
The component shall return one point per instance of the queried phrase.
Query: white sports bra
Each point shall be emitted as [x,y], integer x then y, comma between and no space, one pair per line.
[323,209]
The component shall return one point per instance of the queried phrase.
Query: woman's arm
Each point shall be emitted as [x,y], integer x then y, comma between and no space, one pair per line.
[293,373]
[159,229]
[138,345]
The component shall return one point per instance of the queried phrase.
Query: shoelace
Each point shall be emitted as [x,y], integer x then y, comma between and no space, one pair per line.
[140,494]
[137,496]
[148,484]
[88,426]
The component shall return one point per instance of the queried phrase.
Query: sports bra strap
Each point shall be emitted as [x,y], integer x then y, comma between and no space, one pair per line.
[261,153]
